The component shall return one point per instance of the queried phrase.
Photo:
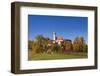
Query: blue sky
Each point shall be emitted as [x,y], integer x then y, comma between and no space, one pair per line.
[68,27]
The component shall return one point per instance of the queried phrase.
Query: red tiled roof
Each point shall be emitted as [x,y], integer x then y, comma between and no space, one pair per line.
[59,38]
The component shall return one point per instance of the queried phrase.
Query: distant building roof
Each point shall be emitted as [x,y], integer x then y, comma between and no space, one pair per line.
[68,40]
[59,38]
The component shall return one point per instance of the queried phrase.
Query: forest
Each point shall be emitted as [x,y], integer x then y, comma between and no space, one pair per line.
[42,48]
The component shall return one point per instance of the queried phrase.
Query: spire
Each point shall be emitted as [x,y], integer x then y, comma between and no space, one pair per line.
[54,36]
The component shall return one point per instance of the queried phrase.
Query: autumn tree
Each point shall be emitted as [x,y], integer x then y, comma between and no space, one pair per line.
[79,44]
[55,48]
[40,44]
[30,44]
[85,48]
[68,45]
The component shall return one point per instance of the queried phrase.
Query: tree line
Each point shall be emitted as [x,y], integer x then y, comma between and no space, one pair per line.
[44,45]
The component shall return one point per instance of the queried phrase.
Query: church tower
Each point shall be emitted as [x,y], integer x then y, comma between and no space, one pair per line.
[54,37]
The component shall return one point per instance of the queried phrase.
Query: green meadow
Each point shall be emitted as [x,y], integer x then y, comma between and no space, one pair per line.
[54,56]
